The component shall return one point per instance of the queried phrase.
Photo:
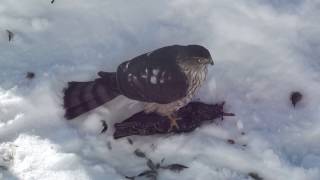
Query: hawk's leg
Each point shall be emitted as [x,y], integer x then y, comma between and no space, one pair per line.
[173,122]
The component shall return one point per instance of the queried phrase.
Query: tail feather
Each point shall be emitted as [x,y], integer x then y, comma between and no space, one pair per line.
[81,97]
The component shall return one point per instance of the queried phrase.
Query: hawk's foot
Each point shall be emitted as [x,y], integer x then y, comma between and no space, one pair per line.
[173,122]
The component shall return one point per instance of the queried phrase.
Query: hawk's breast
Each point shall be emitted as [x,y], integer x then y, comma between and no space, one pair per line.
[196,77]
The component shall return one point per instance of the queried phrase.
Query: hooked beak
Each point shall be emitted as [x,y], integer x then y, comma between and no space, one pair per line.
[211,61]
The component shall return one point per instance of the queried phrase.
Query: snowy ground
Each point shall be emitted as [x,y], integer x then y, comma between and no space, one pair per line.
[262,50]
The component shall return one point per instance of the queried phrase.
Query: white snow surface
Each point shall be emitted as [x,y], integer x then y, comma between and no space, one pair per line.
[263,50]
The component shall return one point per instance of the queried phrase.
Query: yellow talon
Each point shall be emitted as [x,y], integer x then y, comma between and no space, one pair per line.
[173,123]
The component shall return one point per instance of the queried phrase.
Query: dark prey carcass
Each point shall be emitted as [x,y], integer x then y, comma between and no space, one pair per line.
[190,117]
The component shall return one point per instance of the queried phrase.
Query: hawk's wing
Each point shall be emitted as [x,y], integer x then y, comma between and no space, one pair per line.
[153,77]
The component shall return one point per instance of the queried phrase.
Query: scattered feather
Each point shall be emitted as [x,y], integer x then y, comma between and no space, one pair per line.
[10,35]
[231,141]
[151,165]
[147,173]
[295,98]
[150,174]
[104,125]
[130,177]
[175,167]
[255,176]
[139,153]
[130,141]
[30,75]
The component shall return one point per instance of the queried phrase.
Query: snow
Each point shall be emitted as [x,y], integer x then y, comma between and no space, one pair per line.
[263,50]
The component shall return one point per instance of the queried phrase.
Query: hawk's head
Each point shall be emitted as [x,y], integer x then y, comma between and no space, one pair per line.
[195,55]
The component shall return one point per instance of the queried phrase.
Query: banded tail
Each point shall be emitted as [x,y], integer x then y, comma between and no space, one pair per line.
[81,97]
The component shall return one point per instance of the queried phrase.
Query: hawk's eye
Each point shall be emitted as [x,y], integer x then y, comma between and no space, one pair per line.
[201,60]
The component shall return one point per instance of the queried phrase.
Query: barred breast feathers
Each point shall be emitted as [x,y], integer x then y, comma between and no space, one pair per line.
[196,76]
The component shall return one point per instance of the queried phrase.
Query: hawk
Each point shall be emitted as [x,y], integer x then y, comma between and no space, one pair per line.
[165,80]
